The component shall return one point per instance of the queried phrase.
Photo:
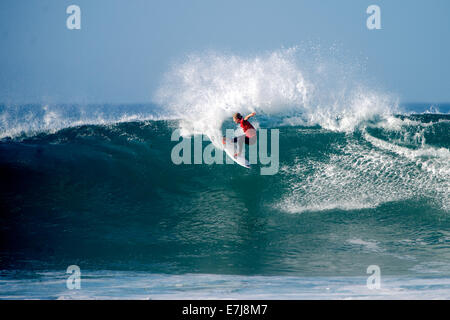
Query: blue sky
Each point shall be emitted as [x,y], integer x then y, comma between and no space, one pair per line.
[124,47]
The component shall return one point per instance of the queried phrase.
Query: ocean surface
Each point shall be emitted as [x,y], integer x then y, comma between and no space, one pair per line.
[108,198]
[362,181]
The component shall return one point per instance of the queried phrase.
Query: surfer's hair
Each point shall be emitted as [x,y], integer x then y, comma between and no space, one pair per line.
[237,116]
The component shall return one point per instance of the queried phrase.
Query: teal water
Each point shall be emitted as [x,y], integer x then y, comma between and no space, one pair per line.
[106,196]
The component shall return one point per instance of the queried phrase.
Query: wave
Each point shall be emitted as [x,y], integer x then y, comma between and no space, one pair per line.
[366,172]
[396,159]
[95,185]
[19,121]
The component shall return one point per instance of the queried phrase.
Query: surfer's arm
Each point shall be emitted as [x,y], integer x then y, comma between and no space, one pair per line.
[249,116]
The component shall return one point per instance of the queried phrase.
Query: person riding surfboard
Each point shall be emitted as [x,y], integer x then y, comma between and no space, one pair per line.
[249,136]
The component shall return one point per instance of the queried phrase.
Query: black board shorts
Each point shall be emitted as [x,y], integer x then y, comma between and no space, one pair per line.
[248,140]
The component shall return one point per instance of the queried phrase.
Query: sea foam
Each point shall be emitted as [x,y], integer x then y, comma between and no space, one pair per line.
[204,89]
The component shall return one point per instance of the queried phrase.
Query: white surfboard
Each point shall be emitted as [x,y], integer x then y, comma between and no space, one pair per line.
[229,148]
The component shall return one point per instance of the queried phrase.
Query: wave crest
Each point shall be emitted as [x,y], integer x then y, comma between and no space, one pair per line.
[205,89]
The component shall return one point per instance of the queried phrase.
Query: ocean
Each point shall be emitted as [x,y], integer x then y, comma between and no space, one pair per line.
[107,198]
[360,183]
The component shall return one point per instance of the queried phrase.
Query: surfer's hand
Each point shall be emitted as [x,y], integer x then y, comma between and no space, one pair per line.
[249,116]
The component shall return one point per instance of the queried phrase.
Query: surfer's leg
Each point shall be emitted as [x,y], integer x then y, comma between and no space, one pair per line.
[250,141]
[240,141]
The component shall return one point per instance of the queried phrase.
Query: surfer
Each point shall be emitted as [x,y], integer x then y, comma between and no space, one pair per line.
[249,136]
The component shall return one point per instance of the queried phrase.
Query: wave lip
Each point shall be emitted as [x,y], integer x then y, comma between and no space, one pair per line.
[28,120]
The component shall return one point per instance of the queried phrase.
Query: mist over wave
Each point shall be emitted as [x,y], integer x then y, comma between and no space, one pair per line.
[286,86]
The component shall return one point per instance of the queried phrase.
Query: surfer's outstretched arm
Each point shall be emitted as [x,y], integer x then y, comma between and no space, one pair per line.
[249,116]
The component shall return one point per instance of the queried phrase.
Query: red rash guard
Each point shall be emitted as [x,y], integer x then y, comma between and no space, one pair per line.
[246,126]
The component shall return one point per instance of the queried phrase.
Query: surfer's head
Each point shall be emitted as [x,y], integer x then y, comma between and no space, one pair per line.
[237,117]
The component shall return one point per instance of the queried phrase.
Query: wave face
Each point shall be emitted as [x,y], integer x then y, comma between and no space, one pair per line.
[109,197]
